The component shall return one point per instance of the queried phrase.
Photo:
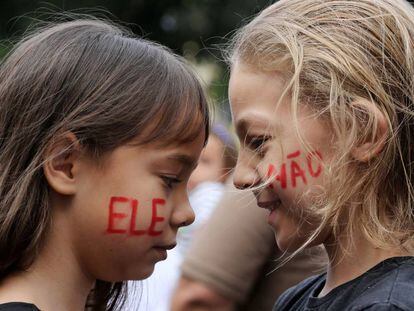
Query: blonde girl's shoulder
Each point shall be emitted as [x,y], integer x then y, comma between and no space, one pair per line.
[387,286]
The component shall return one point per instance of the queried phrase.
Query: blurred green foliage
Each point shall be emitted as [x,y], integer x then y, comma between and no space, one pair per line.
[193,28]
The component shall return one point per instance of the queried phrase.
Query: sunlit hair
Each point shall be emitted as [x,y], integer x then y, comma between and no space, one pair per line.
[334,53]
[98,81]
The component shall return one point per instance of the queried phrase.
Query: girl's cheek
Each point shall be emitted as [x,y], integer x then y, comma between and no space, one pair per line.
[297,170]
[126,216]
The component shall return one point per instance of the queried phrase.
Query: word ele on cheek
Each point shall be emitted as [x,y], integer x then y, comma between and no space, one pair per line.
[133,205]
[295,170]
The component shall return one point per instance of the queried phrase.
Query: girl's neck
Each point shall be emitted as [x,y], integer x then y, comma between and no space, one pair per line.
[55,281]
[344,267]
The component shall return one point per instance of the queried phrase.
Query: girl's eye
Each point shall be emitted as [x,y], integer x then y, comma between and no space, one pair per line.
[257,143]
[170,181]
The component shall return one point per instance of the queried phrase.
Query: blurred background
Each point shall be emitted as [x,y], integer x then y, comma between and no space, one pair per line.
[196,29]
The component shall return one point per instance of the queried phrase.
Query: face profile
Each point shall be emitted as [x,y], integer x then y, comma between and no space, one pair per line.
[284,173]
[127,211]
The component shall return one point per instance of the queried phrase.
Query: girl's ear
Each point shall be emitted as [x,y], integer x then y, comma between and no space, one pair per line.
[61,161]
[369,149]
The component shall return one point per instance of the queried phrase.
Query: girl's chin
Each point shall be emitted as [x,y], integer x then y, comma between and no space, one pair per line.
[144,273]
[287,245]
[290,244]
[133,275]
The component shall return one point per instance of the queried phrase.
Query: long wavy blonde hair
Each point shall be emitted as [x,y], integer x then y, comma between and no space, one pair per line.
[336,52]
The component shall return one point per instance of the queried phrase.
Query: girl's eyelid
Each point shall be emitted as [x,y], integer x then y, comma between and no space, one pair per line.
[252,136]
[257,141]
[172,177]
[263,138]
[170,181]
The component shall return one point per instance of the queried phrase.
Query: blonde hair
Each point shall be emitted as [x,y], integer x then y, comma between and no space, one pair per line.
[338,52]
[104,85]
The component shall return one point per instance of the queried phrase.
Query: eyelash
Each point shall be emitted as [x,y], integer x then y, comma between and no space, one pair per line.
[170,181]
[257,143]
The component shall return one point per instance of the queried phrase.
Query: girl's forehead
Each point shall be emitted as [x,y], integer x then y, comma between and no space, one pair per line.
[248,84]
[257,99]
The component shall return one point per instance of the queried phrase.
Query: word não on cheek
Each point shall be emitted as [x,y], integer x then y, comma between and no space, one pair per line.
[293,169]
[115,217]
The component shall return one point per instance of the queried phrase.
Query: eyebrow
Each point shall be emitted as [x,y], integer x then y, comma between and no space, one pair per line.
[184,159]
[246,122]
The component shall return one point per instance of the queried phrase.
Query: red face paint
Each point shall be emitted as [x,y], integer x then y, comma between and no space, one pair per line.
[312,155]
[296,171]
[132,229]
[155,218]
[114,218]
[293,155]
[281,177]
[270,171]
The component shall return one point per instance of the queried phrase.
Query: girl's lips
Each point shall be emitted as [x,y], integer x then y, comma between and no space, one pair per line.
[161,250]
[162,253]
[166,247]
[269,205]
[271,219]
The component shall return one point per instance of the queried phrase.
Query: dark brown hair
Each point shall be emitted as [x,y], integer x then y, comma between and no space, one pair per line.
[104,85]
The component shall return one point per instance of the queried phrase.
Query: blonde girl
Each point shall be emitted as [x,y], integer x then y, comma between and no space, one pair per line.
[322,96]
[99,132]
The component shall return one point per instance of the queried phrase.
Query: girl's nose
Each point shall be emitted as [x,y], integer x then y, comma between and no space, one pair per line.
[183,214]
[245,174]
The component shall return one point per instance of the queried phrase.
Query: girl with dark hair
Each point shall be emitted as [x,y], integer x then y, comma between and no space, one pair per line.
[99,133]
